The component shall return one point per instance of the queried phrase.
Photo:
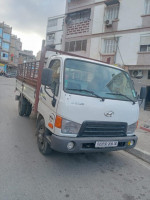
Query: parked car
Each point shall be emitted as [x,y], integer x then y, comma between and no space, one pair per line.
[11,75]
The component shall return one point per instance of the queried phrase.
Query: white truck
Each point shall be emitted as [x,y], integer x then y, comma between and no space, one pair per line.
[82,105]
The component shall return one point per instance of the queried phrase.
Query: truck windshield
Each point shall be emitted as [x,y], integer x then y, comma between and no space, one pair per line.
[104,81]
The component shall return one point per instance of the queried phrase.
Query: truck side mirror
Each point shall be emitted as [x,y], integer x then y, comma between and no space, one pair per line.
[46,77]
[143,93]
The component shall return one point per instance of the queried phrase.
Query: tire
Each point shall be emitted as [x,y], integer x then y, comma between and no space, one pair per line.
[22,106]
[28,109]
[42,143]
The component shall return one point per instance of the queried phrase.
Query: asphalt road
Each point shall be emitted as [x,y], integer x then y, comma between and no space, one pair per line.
[25,174]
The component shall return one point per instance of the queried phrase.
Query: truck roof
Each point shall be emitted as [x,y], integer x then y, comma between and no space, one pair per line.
[85,59]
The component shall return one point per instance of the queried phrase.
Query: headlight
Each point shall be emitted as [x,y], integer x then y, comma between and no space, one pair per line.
[131,128]
[69,127]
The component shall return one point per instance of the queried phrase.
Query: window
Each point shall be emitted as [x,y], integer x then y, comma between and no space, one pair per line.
[145,43]
[51,36]
[72,46]
[4,56]
[110,46]
[112,12]
[78,17]
[147,7]
[52,22]
[67,46]
[55,66]
[5,46]
[84,44]
[0,31]
[6,37]
[78,45]
[149,74]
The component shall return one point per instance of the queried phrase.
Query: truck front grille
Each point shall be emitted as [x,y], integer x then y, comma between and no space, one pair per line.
[103,129]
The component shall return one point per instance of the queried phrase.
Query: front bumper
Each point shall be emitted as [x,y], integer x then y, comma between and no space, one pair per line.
[87,144]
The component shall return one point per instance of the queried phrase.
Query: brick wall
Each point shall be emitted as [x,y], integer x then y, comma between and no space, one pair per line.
[108,59]
[78,28]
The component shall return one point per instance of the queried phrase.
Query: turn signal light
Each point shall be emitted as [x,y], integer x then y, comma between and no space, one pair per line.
[58,121]
[50,125]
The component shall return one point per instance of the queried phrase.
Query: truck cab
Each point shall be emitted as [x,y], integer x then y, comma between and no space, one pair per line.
[85,106]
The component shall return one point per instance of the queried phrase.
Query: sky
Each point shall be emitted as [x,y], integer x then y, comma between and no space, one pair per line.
[28,19]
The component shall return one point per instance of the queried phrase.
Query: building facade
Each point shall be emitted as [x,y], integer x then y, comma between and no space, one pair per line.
[113,31]
[10,46]
[26,56]
[38,56]
[5,41]
[54,31]
[15,49]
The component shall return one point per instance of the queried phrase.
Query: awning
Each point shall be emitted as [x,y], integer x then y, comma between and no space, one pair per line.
[111,2]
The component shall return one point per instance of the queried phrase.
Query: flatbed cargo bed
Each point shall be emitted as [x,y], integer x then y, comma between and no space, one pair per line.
[28,73]
[28,80]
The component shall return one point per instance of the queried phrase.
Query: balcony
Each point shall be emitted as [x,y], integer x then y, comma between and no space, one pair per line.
[50,42]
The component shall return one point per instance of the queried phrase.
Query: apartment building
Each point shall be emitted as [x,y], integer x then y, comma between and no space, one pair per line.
[5,40]
[10,46]
[113,31]
[15,48]
[38,55]
[54,32]
[26,56]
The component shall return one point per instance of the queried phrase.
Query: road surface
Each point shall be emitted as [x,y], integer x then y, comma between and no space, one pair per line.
[25,174]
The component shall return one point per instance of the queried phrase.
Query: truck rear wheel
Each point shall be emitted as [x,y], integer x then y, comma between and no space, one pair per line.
[43,144]
[22,106]
[28,109]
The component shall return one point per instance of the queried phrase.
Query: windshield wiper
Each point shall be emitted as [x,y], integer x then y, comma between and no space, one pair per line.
[121,95]
[91,92]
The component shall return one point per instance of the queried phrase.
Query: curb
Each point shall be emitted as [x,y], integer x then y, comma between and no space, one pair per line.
[145,129]
[140,154]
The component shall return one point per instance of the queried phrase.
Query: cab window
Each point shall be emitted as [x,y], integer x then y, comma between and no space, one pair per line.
[55,66]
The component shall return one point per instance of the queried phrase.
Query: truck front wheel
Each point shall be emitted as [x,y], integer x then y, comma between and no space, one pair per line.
[43,144]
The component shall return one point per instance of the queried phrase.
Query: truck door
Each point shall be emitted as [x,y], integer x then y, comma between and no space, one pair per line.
[48,100]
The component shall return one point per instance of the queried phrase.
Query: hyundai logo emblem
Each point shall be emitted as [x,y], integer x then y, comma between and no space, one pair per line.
[109,114]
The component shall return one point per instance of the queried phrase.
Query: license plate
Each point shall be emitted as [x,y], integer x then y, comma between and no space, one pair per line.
[103,144]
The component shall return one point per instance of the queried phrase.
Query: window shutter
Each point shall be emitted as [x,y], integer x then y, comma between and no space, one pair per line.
[147,7]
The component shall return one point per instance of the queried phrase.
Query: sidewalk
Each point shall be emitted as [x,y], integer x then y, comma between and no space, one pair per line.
[142,149]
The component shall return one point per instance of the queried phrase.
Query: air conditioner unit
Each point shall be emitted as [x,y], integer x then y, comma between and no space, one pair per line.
[68,20]
[108,22]
[137,74]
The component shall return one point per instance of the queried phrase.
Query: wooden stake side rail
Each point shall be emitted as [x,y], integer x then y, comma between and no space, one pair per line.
[28,73]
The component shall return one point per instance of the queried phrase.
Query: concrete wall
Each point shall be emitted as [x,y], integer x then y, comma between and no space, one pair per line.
[98,19]
[58,37]
[130,14]
[129,47]
[145,20]
[95,48]
[56,28]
